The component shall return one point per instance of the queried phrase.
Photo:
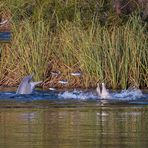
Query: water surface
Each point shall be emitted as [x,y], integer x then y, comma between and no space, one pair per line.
[73,119]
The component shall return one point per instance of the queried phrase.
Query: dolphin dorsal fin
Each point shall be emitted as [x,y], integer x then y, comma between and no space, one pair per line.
[33,84]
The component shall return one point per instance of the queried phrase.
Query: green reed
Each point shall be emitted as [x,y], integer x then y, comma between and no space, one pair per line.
[58,34]
[115,55]
[31,47]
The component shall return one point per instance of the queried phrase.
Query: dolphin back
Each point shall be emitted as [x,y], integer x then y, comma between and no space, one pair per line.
[25,85]
[24,88]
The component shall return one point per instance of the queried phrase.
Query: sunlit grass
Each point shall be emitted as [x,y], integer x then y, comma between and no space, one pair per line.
[115,55]
[31,47]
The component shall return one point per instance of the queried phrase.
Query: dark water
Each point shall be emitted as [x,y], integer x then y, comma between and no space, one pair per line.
[5,36]
[73,119]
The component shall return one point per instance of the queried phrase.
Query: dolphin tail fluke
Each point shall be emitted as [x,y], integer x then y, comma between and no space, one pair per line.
[98,89]
[105,92]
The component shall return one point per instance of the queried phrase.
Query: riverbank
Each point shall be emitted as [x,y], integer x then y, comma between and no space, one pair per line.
[74,37]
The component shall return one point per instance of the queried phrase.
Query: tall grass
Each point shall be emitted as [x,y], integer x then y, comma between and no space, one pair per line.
[116,55]
[32,47]
[59,36]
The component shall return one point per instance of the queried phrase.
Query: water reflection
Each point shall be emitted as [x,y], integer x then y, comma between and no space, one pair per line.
[84,127]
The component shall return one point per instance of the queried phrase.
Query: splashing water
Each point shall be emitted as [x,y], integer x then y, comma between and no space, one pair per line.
[129,94]
[76,94]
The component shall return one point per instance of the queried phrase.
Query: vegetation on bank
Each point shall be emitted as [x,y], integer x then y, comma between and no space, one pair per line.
[74,36]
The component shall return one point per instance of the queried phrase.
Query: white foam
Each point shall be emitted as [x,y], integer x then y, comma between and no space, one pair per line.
[75,73]
[63,81]
[51,88]
[80,95]
[129,94]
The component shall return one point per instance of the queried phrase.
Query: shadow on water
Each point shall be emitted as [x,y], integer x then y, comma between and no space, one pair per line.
[71,119]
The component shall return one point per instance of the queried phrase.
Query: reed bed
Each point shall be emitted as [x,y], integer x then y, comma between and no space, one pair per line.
[63,40]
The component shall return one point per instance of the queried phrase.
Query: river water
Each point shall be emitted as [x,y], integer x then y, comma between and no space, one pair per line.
[73,119]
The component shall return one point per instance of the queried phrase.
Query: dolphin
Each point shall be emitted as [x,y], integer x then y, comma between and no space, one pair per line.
[27,85]
[104,94]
